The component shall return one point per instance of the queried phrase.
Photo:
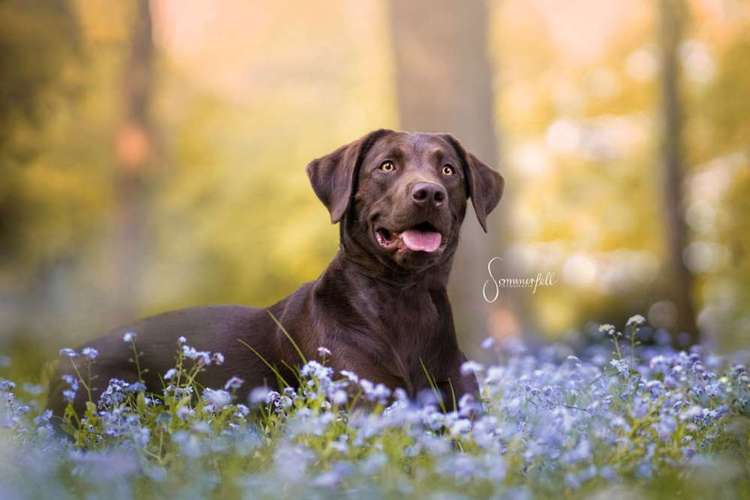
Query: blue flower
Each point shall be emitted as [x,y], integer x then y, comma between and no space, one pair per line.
[89,352]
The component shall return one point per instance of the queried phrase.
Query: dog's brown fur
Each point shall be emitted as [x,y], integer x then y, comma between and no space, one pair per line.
[381,312]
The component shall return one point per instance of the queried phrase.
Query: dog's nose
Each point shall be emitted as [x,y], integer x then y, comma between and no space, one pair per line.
[424,193]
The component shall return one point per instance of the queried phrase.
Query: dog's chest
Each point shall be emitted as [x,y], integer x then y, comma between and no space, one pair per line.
[407,317]
[411,329]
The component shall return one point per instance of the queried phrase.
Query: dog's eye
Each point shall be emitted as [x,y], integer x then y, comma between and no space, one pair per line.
[387,166]
[448,170]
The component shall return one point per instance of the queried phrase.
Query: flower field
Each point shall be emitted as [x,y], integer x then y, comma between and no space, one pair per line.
[617,420]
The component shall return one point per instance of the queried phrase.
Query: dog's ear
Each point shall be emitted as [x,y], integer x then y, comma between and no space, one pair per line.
[483,185]
[334,176]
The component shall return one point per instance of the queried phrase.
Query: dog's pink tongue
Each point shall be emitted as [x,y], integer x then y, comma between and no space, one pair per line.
[421,241]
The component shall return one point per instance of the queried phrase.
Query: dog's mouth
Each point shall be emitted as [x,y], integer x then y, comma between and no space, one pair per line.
[423,237]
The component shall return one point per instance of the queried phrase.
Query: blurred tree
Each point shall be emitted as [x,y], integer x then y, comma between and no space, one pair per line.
[134,151]
[726,175]
[444,84]
[672,17]
[37,38]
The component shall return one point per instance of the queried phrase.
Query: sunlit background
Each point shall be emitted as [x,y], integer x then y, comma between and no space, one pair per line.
[152,155]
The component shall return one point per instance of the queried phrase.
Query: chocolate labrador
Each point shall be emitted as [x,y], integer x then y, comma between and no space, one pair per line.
[381,307]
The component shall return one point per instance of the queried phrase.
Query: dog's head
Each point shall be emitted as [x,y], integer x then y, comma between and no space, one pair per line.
[402,196]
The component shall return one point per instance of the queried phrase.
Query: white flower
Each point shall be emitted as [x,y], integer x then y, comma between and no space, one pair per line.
[90,352]
[691,413]
[68,352]
[461,426]
[339,397]
[242,410]
[170,374]
[488,343]
[218,398]
[323,352]
[233,383]
[367,386]
[467,402]
[400,395]
[202,357]
[271,396]
[607,329]
[181,340]
[69,395]
[381,392]
[574,360]
[129,337]
[201,426]
[350,375]
[636,320]
[621,365]
[258,395]
[183,412]
[313,369]
[471,367]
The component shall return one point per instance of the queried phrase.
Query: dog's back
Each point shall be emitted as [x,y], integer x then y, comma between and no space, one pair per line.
[156,340]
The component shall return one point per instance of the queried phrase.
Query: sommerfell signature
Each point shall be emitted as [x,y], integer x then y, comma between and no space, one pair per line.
[491,288]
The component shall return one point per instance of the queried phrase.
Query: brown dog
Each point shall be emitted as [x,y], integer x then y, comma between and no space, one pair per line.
[381,307]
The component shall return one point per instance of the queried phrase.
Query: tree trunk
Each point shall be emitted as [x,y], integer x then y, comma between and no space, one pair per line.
[134,146]
[672,17]
[444,84]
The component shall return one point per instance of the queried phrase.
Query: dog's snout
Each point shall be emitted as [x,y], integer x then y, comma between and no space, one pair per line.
[424,193]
